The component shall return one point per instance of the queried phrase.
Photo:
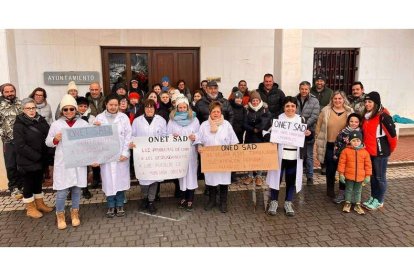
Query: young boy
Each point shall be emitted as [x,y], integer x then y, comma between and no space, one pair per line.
[355,170]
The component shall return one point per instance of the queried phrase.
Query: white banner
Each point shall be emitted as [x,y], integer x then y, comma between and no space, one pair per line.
[288,133]
[159,158]
[83,146]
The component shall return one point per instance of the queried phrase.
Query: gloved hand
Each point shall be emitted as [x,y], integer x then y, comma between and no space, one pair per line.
[342,178]
[367,179]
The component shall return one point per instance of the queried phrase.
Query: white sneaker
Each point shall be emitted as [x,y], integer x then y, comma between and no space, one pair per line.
[289,208]
[16,193]
[272,208]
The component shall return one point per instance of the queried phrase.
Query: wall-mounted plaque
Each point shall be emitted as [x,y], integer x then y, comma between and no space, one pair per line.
[64,77]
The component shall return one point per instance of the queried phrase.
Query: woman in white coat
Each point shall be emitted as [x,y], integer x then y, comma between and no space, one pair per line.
[65,178]
[183,121]
[290,163]
[216,132]
[149,124]
[115,175]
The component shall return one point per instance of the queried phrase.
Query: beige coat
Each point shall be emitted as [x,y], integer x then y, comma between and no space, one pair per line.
[321,131]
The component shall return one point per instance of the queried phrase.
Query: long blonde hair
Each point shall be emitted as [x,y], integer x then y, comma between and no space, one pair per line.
[189,110]
[343,95]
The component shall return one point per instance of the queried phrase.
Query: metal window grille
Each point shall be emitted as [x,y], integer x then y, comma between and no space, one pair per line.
[338,65]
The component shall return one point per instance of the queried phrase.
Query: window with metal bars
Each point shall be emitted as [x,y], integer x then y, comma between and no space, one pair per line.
[338,65]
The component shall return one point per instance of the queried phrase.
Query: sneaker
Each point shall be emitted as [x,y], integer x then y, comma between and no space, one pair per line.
[309,181]
[347,207]
[151,208]
[120,212]
[272,208]
[289,209]
[359,209]
[258,181]
[375,205]
[110,213]
[340,197]
[86,194]
[125,200]
[248,181]
[189,207]
[368,202]
[16,193]
[182,204]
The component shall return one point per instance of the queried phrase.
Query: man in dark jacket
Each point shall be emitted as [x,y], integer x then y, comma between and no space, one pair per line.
[308,108]
[96,98]
[321,91]
[272,95]
[213,95]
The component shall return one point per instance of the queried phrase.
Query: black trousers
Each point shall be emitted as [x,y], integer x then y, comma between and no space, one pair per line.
[15,178]
[32,183]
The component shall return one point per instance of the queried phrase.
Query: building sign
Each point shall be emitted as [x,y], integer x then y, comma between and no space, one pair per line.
[64,77]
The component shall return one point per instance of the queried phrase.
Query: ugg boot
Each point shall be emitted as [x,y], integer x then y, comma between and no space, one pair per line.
[61,223]
[40,204]
[223,198]
[31,208]
[74,216]
[211,198]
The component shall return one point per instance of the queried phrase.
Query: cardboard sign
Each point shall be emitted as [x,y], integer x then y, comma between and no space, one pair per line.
[83,146]
[288,133]
[240,157]
[159,158]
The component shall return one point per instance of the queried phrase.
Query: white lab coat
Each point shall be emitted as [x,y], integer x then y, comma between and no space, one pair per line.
[190,180]
[141,128]
[225,135]
[273,177]
[65,177]
[115,175]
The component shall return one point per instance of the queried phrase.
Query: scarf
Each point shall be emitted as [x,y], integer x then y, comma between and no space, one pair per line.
[41,105]
[359,147]
[257,108]
[214,124]
[182,119]
[35,118]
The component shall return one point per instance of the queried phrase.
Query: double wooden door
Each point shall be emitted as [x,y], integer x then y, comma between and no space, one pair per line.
[149,65]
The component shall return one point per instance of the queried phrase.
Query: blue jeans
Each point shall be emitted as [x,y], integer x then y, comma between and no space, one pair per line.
[379,177]
[116,200]
[309,157]
[61,198]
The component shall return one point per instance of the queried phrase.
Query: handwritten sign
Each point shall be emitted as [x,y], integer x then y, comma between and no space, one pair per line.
[288,133]
[83,146]
[159,158]
[240,157]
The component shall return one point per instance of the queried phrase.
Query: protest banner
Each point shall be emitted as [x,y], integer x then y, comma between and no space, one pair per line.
[288,133]
[240,157]
[159,158]
[83,146]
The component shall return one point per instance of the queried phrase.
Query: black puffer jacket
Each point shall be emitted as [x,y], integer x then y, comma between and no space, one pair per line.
[29,140]
[274,99]
[239,113]
[260,120]
[203,112]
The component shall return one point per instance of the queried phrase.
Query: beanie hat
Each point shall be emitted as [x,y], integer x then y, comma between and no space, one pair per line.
[181,99]
[175,95]
[355,135]
[165,78]
[134,95]
[68,100]
[121,85]
[82,100]
[320,77]
[374,96]
[238,95]
[212,83]
[72,85]
[255,95]
[27,100]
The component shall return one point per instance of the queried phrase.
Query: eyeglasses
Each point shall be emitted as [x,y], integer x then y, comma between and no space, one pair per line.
[39,95]
[68,109]
[150,107]
[30,108]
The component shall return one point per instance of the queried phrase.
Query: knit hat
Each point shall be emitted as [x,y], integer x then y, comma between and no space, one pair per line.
[82,100]
[181,99]
[355,135]
[212,83]
[27,100]
[374,96]
[255,95]
[134,95]
[175,95]
[121,85]
[238,95]
[134,80]
[165,78]
[72,85]
[68,100]
[320,77]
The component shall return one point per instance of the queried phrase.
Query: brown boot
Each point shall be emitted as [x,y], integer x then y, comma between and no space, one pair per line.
[74,215]
[61,223]
[31,208]
[40,204]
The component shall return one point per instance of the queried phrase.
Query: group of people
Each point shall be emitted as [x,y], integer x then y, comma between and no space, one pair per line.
[353,135]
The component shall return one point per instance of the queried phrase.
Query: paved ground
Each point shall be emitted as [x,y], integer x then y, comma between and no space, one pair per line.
[318,222]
